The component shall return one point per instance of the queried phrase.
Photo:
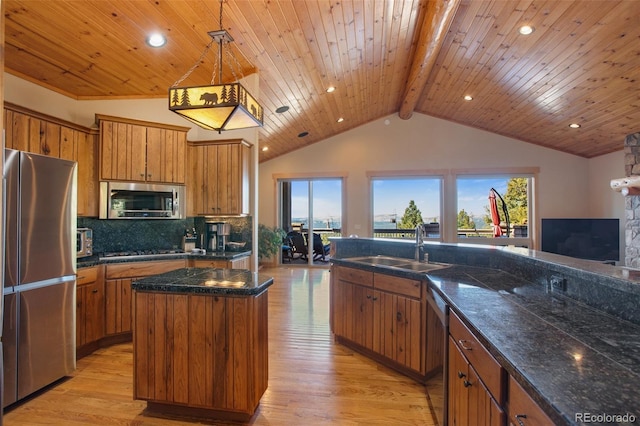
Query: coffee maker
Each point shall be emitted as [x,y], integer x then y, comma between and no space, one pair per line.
[216,234]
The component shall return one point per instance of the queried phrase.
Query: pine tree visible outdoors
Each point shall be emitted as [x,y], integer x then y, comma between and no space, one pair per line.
[412,217]
[516,200]
[464,220]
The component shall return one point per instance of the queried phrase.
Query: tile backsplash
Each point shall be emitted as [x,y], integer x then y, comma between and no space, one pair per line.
[157,234]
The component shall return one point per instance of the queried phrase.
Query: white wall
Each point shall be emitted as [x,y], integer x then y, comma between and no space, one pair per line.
[564,186]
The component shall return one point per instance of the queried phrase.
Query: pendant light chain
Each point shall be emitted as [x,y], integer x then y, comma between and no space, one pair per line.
[194,66]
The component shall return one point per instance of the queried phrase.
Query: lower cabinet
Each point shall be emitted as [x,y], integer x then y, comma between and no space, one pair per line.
[118,300]
[380,315]
[477,383]
[89,309]
[201,351]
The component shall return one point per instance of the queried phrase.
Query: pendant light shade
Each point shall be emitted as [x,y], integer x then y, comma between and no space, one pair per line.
[217,107]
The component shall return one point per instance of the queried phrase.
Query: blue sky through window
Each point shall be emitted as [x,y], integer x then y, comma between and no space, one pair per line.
[391,197]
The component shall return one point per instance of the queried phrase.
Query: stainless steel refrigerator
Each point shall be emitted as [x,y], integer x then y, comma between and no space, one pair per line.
[38,330]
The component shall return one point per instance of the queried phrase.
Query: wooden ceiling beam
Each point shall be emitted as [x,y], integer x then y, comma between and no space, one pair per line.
[439,16]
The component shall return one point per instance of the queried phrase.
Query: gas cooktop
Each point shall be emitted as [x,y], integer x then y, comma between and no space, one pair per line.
[140,253]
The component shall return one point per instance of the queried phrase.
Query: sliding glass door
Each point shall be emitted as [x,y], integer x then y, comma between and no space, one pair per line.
[310,207]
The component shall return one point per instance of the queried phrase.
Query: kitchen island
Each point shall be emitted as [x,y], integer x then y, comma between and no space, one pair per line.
[200,342]
[564,331]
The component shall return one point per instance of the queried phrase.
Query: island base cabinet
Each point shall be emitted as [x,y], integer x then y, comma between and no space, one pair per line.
[200,354]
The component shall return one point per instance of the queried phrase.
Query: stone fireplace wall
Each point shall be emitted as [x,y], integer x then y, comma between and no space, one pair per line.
[632,202]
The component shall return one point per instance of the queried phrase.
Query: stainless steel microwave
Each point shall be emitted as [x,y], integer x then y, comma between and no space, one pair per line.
[84,242]
[129,200]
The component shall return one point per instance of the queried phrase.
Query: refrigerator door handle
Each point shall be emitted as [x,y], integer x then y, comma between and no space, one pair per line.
[4,243]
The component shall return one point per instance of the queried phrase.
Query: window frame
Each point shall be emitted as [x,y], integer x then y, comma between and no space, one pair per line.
[531,173]
[408,174]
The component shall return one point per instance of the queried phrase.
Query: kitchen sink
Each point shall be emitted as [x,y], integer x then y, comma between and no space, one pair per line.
[379,260]
[398,263]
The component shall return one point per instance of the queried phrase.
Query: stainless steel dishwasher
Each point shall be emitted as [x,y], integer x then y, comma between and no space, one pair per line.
[437,330]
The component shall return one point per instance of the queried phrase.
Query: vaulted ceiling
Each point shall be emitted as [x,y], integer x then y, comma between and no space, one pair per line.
[580,65]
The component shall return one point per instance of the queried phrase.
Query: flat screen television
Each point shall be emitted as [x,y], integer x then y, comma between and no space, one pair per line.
[593,239]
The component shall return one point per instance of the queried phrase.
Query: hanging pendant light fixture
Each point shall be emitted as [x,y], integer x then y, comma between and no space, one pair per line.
[222,106]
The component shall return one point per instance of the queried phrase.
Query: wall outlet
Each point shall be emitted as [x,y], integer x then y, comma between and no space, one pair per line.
[558,283]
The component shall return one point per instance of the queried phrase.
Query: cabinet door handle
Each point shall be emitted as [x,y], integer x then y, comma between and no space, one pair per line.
[466,383]
[94,291]
[461,375]
[368,296]
[464,346]
[399,316]
[519,417]
[375,298]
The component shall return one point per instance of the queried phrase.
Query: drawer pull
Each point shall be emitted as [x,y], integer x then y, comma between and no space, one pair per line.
[520,416]
[466,383]
[461,375]
[463,345]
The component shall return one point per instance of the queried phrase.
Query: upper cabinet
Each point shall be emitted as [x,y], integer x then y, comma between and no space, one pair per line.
[38,133]
[140,151]
[218,178]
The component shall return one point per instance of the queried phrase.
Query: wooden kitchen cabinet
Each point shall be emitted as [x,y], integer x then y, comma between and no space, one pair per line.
[477,383]
[523,410]
[383,315]
[89,309]
[206,352]
[118,300]
[140,151]
[38,133]
[218,177]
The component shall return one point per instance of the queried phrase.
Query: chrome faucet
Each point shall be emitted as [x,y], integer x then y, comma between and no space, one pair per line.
[419,242]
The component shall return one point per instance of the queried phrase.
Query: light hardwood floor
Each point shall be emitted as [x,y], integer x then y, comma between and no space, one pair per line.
[312,380]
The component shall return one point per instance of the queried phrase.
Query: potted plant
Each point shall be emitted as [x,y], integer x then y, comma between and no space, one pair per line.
[269,241]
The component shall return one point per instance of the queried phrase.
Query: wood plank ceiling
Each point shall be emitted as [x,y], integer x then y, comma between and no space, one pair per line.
[581,64]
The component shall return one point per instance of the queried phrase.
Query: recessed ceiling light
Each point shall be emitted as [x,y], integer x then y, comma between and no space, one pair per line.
[330,89]
[575,125]
[303,134]
[468,97]
[156,40]
[340,120]
[265,148]
[526,29]
[282,109]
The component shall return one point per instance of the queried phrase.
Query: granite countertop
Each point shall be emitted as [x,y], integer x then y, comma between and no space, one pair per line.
[217,281]
[570,357]
[97,259]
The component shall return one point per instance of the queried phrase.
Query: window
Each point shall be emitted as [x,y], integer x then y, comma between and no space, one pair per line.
[402,202]
[494,209]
